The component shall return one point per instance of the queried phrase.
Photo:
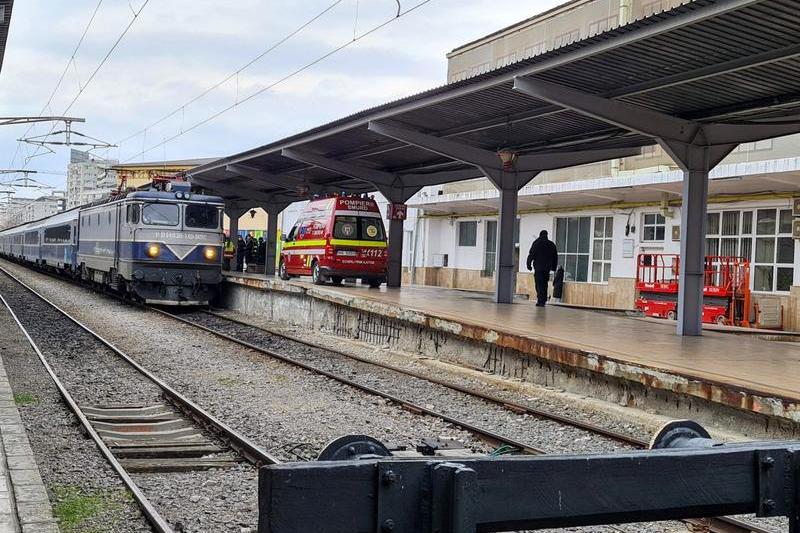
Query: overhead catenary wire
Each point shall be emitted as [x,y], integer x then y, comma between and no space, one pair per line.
[280,80]
[235,73]
[70,61]
[134,18]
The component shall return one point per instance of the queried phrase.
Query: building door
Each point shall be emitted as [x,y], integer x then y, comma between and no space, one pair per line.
[490,248]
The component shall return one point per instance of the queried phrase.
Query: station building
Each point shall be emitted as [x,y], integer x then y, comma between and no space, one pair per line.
[603,215]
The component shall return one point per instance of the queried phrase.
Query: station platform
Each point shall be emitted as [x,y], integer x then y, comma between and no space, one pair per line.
[24,504]
[756,373]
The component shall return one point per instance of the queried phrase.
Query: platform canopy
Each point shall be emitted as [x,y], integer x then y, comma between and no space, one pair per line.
[697,79]
[5,23]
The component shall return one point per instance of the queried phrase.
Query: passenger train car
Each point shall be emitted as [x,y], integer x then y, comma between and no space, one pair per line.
[157,246]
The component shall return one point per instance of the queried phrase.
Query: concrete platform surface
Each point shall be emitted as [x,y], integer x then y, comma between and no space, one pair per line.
[24,504]
[741,371]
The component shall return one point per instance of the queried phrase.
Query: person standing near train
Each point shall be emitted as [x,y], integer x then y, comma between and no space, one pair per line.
[239,254]
[542,259]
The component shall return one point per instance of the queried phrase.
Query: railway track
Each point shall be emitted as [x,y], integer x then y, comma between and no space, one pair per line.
[257,456]
[712,524]
[174,436]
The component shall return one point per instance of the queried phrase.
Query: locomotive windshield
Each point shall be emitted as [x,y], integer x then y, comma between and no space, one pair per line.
[202,216]
[358,228]
[161,214]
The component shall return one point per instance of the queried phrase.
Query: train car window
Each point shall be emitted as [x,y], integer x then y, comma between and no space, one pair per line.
[58,234]
[133,213]
[161,214]
[98,219]
[109,217]
[202,216]
[32,237]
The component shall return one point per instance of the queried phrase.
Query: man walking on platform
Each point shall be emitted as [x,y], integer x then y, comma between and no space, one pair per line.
[542,258]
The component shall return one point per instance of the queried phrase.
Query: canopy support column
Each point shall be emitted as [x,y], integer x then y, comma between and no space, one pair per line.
[696,162]
[271,241]
[506,266]
[697,147]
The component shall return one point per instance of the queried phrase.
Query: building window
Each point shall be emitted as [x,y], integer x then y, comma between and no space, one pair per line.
[601,248]
[573,240]
[458,76]
[773,259]
[506,60]
[653,228]
[490,248]
[649,152]
[468,233]
[599,26]
[758,146]
[535,49]
[480,69]
[566,38]
[770,251]
[651,8]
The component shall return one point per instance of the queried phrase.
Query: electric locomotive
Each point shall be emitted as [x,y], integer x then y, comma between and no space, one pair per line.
[160,246]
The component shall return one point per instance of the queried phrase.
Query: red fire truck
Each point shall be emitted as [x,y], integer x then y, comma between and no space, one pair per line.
[726,288]
[335,238]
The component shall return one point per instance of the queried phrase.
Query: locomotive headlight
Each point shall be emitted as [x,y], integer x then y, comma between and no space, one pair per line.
[153,250]
[210,253]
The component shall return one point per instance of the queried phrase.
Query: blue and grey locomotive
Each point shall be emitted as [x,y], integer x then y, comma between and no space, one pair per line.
[156,246]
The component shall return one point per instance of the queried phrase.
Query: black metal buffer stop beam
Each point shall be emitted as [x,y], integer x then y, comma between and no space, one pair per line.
[690,478]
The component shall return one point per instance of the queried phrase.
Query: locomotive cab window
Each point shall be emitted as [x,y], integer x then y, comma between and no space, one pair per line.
[161,214]
[202,216]
[132,214]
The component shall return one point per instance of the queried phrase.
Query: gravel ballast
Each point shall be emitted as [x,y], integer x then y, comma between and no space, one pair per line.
[96,376]
[294,413]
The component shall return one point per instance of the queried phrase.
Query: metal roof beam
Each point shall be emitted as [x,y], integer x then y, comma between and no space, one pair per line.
[490,162]
[440,178]
[231,191]
[370,175]
[628,116]
[649,122]
[283,181]
[470,155]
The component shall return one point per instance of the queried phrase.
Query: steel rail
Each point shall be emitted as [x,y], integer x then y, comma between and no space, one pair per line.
[514,407]
[485,434]
[241,444]
[152,516]
[712,524]
[722,524]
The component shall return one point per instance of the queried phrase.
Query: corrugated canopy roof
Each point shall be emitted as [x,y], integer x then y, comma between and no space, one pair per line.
[720,60]
[5,22]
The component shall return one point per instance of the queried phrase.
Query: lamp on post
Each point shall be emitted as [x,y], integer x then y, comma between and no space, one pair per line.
[507,157]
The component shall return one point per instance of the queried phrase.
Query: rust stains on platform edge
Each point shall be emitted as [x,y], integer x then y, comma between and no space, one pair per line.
[753,400]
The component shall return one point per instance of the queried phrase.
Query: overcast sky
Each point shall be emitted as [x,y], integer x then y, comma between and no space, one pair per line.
[178,48]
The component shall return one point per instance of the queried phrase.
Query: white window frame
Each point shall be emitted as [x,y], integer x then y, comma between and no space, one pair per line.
[564,254]
[606,246]
[656,225]
[752,236]
[458,237]
[778,234]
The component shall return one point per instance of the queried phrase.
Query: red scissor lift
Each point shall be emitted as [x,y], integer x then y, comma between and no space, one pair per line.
[726,289]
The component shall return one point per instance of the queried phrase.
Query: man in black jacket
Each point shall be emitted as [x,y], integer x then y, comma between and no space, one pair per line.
[542,258]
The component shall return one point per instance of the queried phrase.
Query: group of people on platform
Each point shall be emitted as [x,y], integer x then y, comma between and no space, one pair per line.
[250,253]
[247,253]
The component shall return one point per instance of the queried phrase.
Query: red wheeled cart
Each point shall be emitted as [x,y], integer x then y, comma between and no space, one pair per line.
[726,288]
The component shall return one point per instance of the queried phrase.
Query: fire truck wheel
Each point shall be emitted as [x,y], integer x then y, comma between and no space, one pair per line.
[336,280]
[282,273]
[721,320]
[672,315]
[316,275]
[375,283]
